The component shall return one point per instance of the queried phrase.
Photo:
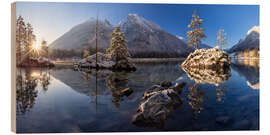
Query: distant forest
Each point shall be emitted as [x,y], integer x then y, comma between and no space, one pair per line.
[79,53]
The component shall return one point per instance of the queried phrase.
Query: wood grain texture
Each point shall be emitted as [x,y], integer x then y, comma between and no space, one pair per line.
[13,67]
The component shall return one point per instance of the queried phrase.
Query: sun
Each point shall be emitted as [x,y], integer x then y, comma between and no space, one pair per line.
[36,47]
[35,75]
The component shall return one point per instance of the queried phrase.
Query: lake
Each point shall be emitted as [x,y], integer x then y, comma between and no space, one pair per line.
[64,100]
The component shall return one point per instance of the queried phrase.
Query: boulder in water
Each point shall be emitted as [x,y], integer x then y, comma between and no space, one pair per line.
[158,104]
[207,58]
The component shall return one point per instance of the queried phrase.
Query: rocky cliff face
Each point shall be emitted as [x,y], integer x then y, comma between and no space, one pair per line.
[207,58]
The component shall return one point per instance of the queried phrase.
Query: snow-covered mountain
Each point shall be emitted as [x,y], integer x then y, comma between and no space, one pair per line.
[83,34]
[141,35]
[251,41]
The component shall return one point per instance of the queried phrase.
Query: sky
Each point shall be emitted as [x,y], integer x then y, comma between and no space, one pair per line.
[51,20]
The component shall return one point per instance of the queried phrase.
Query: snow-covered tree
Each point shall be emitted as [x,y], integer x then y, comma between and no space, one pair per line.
[30,39]
[221,39]
[85,53]
[118,49]
[20,38]
[195,35]
[44,49]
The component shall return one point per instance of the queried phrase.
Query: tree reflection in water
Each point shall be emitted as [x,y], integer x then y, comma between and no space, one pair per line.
[45,79]
[26,83]
[221,93]
[117,81]
[206,76]
[196,98]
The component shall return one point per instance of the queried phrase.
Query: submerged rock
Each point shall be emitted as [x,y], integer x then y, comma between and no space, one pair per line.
[223,119]
[178,87]
[103,63]
[126,91]
[158,104]
[165,84]
[207,58]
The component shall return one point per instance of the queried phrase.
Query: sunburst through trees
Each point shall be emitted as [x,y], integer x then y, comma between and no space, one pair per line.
[28,51]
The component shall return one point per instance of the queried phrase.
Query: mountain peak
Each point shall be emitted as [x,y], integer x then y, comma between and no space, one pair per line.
[135,19]
[251,41]
[142,36]
[133,15]
[254,29]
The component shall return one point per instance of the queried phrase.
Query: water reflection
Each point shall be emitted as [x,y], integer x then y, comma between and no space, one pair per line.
[26,83]
[109,83]
[248,68]
[117,81]
[195,97]
[209,94]
[254,63]
[205,76]
[208,76]
[85,82]
[221,93]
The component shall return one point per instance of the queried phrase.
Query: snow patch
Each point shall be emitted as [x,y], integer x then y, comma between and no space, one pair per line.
[180,37]
[255,28]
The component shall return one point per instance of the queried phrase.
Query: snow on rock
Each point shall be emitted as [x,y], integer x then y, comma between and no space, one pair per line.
[207,58]
[254,28]
[158,104]
[102,62]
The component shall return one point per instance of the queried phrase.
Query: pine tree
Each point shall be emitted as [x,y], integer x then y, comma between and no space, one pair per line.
[221,39]
[118,49]
[44,49]
[30,38]
[195,35]
[20,38]
[85,53]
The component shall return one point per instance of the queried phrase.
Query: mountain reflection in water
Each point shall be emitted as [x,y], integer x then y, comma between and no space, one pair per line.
[64,100]
[249,68]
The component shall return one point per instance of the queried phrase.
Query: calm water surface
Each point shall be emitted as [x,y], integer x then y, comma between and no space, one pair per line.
[64,100]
